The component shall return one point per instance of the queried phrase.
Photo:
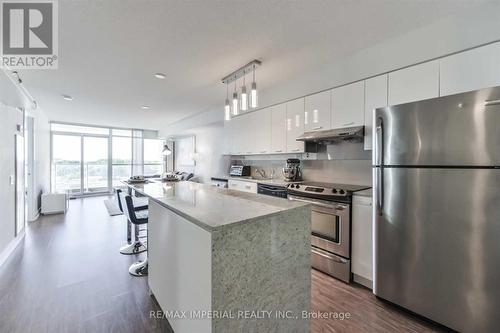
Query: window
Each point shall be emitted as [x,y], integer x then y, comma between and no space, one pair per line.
[153,158]
[66,163]
[121,149]
[88,159]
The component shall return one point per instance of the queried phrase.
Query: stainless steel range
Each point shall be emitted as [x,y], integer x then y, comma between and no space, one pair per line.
[330,224]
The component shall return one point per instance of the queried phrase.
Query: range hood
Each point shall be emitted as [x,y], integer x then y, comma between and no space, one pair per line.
[355,133]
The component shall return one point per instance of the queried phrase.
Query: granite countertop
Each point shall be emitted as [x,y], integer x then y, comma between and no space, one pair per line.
[212,207]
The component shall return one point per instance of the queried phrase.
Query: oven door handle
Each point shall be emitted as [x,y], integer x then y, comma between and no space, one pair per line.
[333,206]
[329,256]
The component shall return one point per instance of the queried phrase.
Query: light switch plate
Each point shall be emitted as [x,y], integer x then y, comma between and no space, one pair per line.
[12,180]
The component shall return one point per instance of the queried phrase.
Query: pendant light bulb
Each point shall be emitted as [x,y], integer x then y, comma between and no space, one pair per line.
[227,105]
[244,96]
[253,93]
[235,100]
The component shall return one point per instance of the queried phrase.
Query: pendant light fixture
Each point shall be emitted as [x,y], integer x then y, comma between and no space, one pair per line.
[227,106]
[244,96]
[235,99]
[253,94]
[232,107]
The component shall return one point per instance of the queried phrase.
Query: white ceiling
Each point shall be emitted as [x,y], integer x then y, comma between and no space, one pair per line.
[109,50]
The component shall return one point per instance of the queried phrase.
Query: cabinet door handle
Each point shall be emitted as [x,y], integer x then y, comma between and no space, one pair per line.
[317,127]
[249,152]
[248,187]
[264,151]
[350,123]
[295,149]
[278,151]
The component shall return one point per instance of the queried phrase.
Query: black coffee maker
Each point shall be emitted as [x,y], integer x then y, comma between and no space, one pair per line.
[291,171]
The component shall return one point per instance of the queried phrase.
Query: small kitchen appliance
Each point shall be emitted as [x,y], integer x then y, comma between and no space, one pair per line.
[239,171]
[291,171]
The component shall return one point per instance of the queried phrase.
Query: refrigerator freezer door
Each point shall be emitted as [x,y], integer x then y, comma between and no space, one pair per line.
[456,130]
[437,244]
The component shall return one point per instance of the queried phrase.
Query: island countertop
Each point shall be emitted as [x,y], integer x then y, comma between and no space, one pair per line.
[211,207]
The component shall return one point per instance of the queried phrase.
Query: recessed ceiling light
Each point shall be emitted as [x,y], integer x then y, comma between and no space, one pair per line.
[160,76]
[67,97]
[145,107]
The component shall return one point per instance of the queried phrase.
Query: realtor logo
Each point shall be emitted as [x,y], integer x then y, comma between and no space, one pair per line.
[29,34]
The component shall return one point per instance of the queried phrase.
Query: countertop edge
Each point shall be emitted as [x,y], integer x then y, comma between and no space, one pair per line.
[220,227]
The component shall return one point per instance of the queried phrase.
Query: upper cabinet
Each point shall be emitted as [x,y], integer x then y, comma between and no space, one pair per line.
[261,130]
[375,97]
[348,105]
[317,114]
[235,130]
[414,83]
[470,70]
[278,128]
[294,125]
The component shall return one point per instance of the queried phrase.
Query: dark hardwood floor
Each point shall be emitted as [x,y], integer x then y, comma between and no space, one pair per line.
[68,276]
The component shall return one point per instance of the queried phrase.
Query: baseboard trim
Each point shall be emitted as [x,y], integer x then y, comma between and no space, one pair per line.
[35,216]
[363,281]
[11,247]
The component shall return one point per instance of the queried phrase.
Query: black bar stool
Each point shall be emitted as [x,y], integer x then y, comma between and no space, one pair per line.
[137,246]
[139,268]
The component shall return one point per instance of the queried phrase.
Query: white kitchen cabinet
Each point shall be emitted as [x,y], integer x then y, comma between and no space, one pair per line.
[228,137]
[236,135]
[375,97]
[241,185]
[317,113]
[348,105]
[278,128]
[362,242]
[249,144]
[470,70]
[414,83]
[261,127]
[294,125]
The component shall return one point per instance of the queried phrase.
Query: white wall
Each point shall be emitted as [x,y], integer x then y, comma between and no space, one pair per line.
[11,117]
[11,98]
[209,149]
[476,27]
[42,158]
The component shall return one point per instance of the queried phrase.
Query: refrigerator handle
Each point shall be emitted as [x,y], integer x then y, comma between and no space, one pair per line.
[379,161]
[379,142]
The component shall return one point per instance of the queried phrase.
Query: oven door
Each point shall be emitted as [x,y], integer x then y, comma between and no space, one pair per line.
[330,225]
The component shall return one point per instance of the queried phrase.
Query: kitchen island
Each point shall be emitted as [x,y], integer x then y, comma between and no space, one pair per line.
[226,261]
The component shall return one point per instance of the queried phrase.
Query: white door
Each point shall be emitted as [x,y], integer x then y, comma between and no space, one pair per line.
[375,97]
[348,105]
[278,128]
[31,197]
[414,83]
[317,114]
[20,185]
[294,125]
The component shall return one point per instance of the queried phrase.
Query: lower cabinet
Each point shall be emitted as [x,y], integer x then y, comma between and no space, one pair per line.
[241,185]
[362,242]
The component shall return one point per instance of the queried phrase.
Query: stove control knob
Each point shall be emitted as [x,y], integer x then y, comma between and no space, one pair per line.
[334,190]
[342,192]
[297,186]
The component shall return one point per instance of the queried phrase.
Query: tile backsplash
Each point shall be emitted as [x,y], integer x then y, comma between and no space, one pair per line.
[357,172]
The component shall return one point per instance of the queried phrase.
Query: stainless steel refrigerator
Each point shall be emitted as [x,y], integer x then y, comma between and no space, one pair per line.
[437,208]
